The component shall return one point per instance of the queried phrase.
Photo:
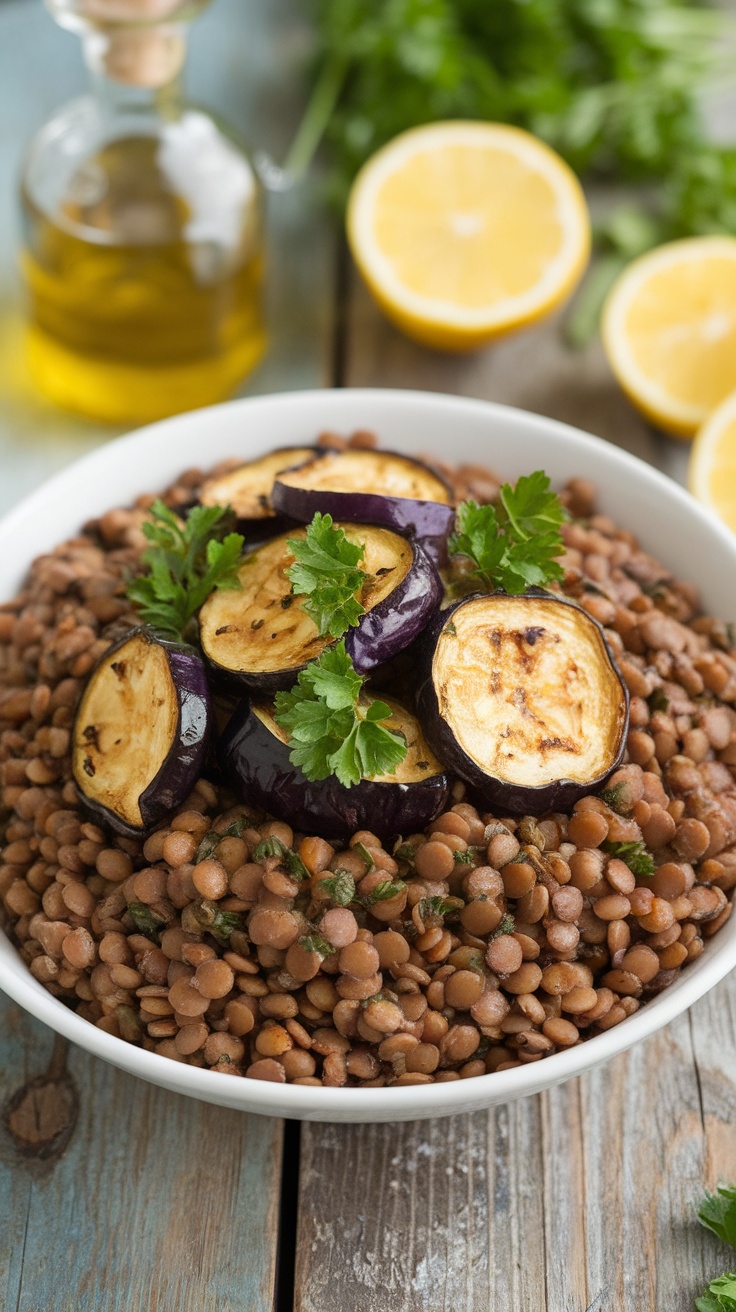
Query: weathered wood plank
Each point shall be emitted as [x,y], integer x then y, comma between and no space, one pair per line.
[583,1198]
[156,1202]
[431,1215]
[713,1023]
[534,369]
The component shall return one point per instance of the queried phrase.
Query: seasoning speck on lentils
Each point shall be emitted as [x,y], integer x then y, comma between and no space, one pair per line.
[508,938]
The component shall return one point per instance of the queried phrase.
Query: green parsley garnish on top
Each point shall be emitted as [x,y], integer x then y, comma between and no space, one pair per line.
[514,544]
[186,561]
[327,573]
[333,726]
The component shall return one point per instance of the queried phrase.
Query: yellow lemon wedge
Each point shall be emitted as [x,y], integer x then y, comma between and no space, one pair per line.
[669,330]
[712,467]
[465,231]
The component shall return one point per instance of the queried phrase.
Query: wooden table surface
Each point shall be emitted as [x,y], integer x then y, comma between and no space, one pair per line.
[118,1197]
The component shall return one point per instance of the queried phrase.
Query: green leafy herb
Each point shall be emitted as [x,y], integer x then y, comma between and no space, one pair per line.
[658,700]
[616,798]
[217,922]
[717,1212]
[634,855]
[333,730]
[384,892]
[466,858]
[187,560]
[314,942]
[614,87]
[514,544]
[720,1296]
[383,996]
[362,850]
[146,921]
[476,961]
[213,838]
[290,859]
[327,574]
[340,888]
[506,927]
[436,909]
[405,852]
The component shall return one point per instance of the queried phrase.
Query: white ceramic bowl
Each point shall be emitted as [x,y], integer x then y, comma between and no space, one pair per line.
[670,524]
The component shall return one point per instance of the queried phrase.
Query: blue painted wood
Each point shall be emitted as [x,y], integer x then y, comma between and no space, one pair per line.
[156,1204]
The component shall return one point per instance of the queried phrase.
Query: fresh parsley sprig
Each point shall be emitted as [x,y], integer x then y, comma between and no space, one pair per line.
[332,727]
[720,1296]
[327,573]
[513,544]
[717,1212]
[186,561]
[634,855]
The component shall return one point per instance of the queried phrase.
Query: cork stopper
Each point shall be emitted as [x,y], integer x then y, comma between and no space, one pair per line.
[136,42]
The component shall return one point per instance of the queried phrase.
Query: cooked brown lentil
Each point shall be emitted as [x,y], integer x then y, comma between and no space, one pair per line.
[553,938]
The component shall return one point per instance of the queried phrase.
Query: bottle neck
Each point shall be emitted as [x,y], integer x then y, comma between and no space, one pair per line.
[137,69]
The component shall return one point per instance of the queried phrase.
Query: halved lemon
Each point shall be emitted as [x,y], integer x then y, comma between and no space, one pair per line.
[669,329]
[464,231]
[712,467]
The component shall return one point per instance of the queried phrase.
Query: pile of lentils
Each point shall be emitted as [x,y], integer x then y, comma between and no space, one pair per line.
[225,940]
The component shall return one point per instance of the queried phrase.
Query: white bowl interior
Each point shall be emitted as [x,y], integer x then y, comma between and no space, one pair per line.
[669,523]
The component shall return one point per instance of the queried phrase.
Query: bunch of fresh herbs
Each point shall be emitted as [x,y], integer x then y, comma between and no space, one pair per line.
[613,85]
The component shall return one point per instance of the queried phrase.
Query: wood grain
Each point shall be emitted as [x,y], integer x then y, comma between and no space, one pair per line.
[152,1202]
[582,1199]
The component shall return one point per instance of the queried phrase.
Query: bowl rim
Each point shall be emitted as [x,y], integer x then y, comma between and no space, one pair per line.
[409,1101]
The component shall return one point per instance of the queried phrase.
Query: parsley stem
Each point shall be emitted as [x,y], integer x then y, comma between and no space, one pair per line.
[316,116]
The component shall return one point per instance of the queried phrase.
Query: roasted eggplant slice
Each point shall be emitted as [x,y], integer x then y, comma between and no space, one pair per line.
[247,488]
[260,636]
[521,696]
[368,487]
[254,754]
[140,733]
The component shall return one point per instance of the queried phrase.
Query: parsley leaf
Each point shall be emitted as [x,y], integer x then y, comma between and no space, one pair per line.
[315,942]
[327,574]
[290,860]
[506,926]
[213,838]
[187,560]
[384,892]
[720,1296]
[215,921]
[435,909]
[717,1212]
[339,888]
[332,729]
[145,920]
[634,855]
[514,544]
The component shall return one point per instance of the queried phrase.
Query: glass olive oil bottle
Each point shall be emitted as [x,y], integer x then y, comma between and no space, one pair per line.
[142,230]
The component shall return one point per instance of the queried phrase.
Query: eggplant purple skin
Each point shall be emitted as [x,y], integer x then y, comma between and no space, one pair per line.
[256,765]
[430,522]
[188,755]
[379,635]
[487,792]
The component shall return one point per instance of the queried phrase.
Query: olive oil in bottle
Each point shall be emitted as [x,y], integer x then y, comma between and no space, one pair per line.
[142,238]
